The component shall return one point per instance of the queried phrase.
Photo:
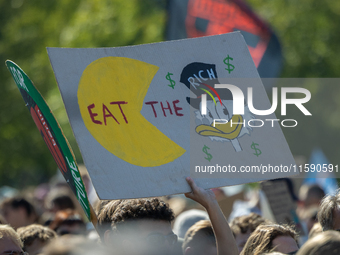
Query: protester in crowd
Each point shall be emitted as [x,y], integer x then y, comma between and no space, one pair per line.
[268,238]
[316,229]
[325,243]
[137,226]
[200,239]
[59,199]
[142,226]
[35,237]
[310,195]
[18,212]
[9,241]
[73,245]
[243,226]
[187,219]
[329,212]
[68,222]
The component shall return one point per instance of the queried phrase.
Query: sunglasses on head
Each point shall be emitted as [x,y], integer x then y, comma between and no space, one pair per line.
[159,239]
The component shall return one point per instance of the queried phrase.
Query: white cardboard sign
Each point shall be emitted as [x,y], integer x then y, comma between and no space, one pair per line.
[135,113]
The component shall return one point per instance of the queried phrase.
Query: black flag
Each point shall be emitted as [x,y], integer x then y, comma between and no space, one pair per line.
[195,18]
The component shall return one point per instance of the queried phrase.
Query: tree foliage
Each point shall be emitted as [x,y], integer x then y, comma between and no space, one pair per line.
[307,30]
[27,28]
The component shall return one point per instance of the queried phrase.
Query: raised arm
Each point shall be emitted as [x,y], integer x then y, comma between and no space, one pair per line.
[225,241]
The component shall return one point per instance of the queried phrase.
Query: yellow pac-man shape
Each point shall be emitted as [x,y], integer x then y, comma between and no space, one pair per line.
[110,97]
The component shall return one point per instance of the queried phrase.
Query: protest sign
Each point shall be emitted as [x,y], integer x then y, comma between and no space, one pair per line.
[53,136]
[135,113]
[282,204]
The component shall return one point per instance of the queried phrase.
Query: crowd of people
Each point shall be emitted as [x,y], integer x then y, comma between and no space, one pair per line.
[50,222]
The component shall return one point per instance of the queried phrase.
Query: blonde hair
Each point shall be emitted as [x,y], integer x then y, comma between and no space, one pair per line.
[199,235]
[261,240]
[35,231]
[316,229]
[7,231]
[241,224]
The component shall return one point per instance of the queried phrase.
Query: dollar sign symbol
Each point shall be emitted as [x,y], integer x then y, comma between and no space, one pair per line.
[230,66]
[205,148]
[172,82]
[257,150]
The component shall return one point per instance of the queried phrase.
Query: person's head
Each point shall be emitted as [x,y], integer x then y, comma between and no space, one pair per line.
[59,199]
[73,245]
[311,195]
[35,237]
[200,239]
[327,242]
[187,219]
[9,240]
[138,226]
[268,238]
[243,226]
[68,222]
[18,212]
[329,212]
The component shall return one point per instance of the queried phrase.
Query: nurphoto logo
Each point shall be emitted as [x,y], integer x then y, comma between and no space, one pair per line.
[238,106]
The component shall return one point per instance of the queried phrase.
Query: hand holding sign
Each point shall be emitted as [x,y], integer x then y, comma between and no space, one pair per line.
[224,237]
[201,196]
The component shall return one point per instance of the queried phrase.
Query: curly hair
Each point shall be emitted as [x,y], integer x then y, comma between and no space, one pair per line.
[261,240]
[117,212]
[247,222]
[35,231]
